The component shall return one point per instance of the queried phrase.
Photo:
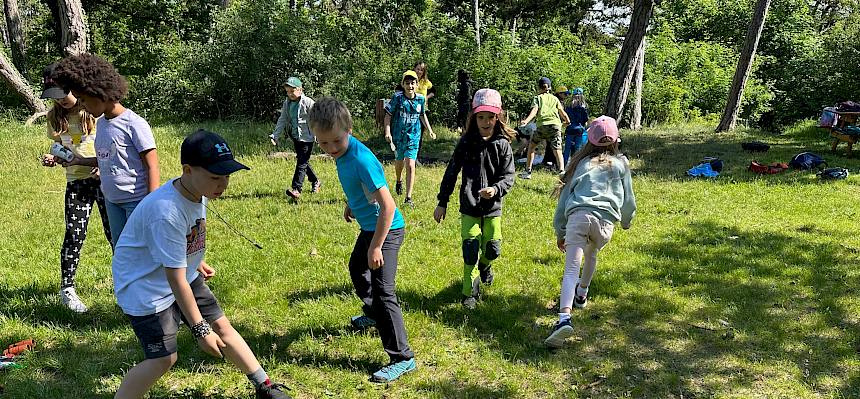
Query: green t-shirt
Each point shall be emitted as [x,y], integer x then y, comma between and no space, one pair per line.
[548,106]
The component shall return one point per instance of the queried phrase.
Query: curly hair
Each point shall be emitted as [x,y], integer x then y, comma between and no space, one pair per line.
[91,75]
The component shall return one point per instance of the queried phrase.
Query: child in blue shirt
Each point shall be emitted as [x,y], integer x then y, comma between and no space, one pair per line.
[407,111]
[373,263]
[574,135]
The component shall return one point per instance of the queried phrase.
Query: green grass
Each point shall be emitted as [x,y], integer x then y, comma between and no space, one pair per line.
[738,287]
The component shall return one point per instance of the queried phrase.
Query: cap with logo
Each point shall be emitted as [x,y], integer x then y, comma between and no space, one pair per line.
[294,82]
[209,151]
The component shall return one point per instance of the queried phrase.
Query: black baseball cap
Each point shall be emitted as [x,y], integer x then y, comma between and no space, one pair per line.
[209,151]
[51,89]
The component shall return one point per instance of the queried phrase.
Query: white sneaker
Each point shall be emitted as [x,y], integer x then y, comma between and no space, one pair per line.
[526,174]
[70,298]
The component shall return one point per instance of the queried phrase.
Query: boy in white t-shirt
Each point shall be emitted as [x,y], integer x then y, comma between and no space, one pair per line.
[159,273]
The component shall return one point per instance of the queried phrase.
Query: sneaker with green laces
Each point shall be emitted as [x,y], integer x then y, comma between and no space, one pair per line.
[393,371]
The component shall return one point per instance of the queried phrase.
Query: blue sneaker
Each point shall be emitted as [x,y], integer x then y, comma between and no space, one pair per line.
[393,371]
[362,322]
[562,331]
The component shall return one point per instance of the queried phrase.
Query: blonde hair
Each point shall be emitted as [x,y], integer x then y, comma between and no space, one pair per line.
[597,153]
[577,100]
[425,76]
[329,113]
[58,118]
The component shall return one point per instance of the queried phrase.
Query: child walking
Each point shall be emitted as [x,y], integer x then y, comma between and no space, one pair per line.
[124,146]
[408,111]
[159,273]
[373,263]
[486,159]
[70,125]
[574,135]
[550,117]
[597,191]
[293,121]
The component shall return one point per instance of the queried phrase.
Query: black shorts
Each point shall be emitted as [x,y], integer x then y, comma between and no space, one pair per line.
[157,332]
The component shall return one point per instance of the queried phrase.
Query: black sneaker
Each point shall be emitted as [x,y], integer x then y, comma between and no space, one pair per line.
[361,323]
[408,201]
[486,273]
[316,186]
[470,302]
[561,331]
[579,302]
[273,391]
[398,187]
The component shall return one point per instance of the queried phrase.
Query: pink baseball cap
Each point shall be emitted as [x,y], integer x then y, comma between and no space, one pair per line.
[603,126]
[487,100]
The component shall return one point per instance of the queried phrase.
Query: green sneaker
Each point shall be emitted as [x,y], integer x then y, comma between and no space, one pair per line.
[393,371]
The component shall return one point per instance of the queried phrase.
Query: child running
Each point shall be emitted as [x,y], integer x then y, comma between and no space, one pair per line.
[549,117]
[159,272]
[293,121]
[373,263]
[485,156]
[597,191]
[408,111]
[125,147]
[70,125]
[574,135]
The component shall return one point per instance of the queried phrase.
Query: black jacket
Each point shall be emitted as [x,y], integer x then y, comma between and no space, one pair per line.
[487,163]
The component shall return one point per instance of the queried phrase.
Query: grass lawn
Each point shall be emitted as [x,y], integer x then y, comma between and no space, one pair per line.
[739,287]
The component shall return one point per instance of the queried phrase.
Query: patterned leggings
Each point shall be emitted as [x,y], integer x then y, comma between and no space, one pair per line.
[80,196]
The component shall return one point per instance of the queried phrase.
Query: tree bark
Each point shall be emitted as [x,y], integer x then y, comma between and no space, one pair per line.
[73,27]
[225,4]
[733,105]
[619,87]
[293,5]
[477,12]
[636,123]
[17,83]
[16,35]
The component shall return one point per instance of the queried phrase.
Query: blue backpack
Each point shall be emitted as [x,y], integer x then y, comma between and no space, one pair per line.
[806,161]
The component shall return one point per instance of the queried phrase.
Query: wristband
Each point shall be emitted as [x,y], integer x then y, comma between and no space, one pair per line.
[201,329]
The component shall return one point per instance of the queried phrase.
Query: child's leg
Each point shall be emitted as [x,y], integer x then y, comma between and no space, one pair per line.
[303,156]
[143,376]
[576,239]
[470,232]
[392,330]
[530,156]
[78,206]
[410,176]
[236,350]
[100,201]
[118,215]
[398,168]
[359,272]
[491,245]
[599,234]
[569,148]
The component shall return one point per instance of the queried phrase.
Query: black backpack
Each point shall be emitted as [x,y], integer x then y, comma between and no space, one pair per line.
[833,174]
[806,161]
[755,146]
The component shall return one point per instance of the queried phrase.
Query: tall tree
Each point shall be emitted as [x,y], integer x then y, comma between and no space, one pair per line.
[636,123]
[20,86]
[733,105]
[619,87]
[16,35]
[73,27]
[477,13]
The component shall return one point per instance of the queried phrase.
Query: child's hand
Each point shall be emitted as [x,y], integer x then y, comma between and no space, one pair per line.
[347,214]
[388,138]
[625,226]
[206,271]
[272,140]
[75,161]
[211,344]
[439,214]
[523,123]
[487,192]
[49,160]
[432,135]
[374,258]
[560,243]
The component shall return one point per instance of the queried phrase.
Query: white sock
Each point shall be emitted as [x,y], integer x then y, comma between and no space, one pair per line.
[581,291]
[562,317]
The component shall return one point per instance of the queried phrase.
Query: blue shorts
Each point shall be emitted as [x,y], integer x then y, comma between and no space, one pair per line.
[407,148]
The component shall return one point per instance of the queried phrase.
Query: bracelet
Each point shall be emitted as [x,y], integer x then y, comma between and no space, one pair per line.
[201,329]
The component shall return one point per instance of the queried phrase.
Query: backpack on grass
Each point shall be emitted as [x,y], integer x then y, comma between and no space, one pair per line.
[807,161]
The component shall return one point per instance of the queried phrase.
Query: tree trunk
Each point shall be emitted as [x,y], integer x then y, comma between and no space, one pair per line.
[636,123]
[293,5]
[733,105]
[225,3]
[73,27]
[17,83]
[16,35]
[477,12]
[619,87]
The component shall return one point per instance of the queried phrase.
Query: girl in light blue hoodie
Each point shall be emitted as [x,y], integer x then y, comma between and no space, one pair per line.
[597,192]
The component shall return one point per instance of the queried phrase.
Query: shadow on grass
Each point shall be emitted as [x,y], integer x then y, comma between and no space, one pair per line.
[37,305]
[464,390]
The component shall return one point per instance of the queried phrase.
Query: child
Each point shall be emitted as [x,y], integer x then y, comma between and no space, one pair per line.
[293,121]
[577,111]
[597,191]
[72,126]
[485,156]
[463,98]
[407,109]
[125,148]
[373,263]
[550,116]
[425,86]
[159,273]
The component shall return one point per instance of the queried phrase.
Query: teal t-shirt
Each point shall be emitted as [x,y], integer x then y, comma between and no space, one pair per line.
[360,175]
[406,118]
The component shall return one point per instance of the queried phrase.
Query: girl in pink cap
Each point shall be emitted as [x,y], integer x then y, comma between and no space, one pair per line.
[485,156]
[597,191]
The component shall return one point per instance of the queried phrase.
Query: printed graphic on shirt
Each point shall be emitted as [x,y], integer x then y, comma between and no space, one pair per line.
[196,238]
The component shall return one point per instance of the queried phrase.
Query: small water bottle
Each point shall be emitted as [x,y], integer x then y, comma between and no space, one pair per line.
[60,151]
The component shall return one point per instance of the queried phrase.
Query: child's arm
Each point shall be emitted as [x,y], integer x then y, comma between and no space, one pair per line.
[383,224]
[210,343]
[426,123]
[508,170]
[628,206]
[387,129]
[281,124]
[564,118]
[150,161]
[532,114]
[449,180]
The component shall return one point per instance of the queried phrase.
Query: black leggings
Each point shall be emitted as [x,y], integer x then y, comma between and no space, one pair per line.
[80,196]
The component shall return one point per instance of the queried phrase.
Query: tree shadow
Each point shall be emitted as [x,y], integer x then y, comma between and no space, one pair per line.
[452,388]
[39,305]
